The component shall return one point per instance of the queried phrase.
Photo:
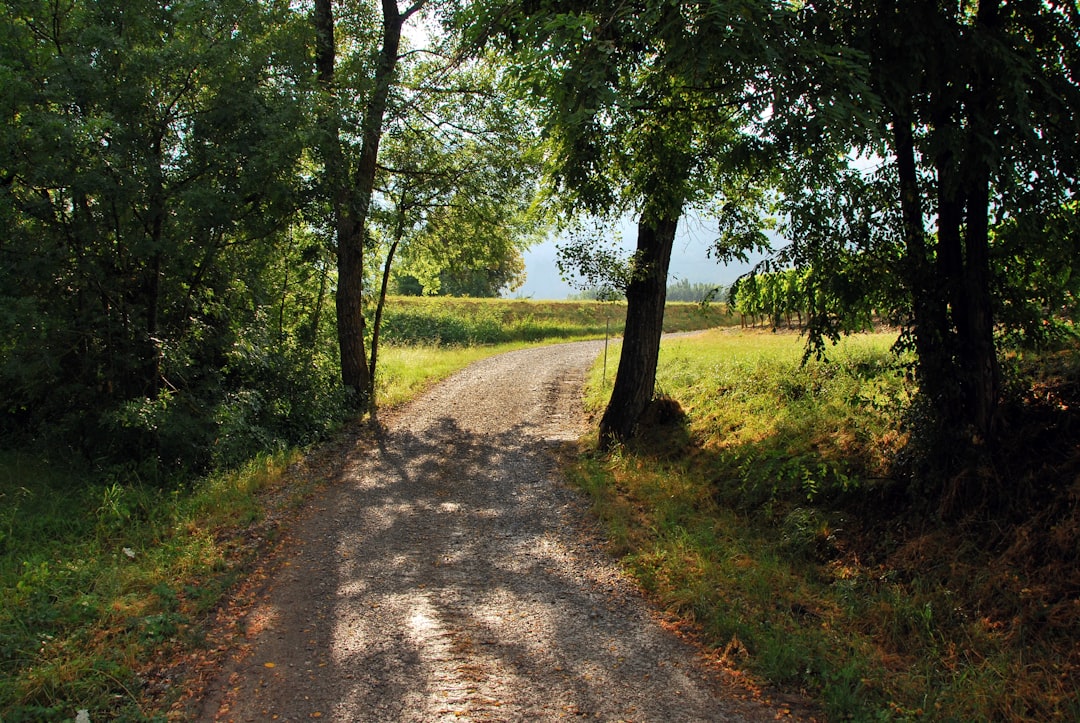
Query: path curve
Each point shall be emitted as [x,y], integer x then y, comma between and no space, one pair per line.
[451,575]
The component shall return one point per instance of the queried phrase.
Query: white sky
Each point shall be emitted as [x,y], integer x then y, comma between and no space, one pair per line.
[689,261]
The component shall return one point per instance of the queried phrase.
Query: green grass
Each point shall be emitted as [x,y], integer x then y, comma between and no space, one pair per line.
[405,371]
[97,575]
[765,520]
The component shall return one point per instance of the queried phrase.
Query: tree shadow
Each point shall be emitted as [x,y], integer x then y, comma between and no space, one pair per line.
[457,583]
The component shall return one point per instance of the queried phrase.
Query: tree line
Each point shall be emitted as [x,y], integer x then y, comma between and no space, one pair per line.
[205,203]
[197,216]
[696,292]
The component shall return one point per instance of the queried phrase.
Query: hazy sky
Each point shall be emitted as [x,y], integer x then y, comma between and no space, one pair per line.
[689,260]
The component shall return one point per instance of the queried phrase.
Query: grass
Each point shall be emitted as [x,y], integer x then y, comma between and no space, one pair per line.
[98,575]
[101,575]
[768,520]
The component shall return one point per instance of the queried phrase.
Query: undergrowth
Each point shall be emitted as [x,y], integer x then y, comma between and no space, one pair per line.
[768,518]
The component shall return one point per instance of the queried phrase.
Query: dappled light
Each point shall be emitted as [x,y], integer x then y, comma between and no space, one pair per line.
[449,573]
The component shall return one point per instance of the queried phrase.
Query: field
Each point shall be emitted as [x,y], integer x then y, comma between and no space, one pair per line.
[451,321]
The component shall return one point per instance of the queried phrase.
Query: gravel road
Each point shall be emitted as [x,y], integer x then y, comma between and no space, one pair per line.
[451,575]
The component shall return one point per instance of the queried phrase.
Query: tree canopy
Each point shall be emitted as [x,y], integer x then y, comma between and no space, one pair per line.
[645,108]
[179,186]
[185,187]
[964,116]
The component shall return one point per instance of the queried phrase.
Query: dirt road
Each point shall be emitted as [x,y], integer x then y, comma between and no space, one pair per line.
[451,575]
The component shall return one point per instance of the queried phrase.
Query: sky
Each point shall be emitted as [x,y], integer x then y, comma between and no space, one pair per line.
[689,261]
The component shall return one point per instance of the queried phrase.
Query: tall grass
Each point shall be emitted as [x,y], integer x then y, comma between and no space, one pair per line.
[747,519]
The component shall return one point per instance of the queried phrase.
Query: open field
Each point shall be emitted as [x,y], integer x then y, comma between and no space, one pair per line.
[447,321]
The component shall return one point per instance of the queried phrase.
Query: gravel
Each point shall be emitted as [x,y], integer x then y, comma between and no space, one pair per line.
[450,574]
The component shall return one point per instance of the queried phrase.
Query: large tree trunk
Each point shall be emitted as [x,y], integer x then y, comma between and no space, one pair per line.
[355,374]
[930,322]
[645,297]
[975,320]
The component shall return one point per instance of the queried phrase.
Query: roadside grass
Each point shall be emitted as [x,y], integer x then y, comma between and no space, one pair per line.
[767,520]
[100,576]
[406,371]
[96,575]
[103,573]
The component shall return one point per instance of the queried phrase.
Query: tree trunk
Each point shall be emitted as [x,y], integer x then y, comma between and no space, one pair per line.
[930,324]
[975,323]
[352,191]
[347,232]
[645,297]
[150,291]
[355,375]
[379,307]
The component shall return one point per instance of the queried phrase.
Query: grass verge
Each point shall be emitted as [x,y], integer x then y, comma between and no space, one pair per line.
[98,576]
[766,517]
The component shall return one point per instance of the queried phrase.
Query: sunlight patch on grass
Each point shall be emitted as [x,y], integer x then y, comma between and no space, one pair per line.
[406,371]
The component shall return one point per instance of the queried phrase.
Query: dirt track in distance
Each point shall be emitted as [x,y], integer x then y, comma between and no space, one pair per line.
[451,575]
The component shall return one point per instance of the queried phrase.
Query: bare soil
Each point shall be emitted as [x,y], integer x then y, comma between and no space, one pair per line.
[448,573]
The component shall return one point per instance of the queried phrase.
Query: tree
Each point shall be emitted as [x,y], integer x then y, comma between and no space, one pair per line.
[972,111]
[701,293]
[349,183]
[644,106]
[149,168]
[464,152]
[456,190]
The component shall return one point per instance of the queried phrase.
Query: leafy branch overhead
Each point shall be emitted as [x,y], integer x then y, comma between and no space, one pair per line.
[195,196]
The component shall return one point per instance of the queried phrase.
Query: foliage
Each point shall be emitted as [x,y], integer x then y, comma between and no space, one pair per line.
[921,144]
[593,261]
[696,292]
[771,297]
[1038,296]
[458,184]
[646,110]
[681,290]
[151,305]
